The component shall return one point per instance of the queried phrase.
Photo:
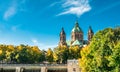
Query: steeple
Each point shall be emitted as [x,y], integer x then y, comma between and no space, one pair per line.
[90,33]
[62,31]
[62,38]
[90,29]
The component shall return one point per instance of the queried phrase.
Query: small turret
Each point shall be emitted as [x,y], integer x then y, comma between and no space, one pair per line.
[62,38]
[90,34]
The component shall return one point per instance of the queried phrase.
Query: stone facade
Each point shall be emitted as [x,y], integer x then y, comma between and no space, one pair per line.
[62,38]
[73,66]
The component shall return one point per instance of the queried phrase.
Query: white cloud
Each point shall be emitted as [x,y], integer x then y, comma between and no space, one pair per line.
[41,45]
[34,41]
[76,7]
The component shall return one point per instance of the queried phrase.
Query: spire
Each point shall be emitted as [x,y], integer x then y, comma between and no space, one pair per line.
[62,38]
[90,33]
[90,30]
[62,32]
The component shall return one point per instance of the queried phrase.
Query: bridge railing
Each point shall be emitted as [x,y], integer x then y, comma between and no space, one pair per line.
[3,65]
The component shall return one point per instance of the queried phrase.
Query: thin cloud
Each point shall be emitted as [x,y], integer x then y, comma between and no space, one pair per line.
[53,4]
[76,7]
[15,27]
[11,11]
[35,41]
[41,45]
[14,7]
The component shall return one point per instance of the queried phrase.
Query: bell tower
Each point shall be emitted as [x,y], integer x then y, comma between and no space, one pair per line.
[62,38]
[90,34]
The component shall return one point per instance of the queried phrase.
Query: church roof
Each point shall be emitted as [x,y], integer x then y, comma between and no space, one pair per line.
[90,30]
[77,42]
[68,43]
[62,32]
[76,28]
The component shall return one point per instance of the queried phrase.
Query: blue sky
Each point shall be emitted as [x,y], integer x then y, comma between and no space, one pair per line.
[39,22]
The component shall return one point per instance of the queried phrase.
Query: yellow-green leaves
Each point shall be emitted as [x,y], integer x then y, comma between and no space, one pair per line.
[103,53]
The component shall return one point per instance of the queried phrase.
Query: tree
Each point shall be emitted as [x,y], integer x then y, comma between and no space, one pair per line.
[61,54]
[2,55]
[21,54]
[49,55]
[36,53]
[102,55]
[42,56]
[3,49]
[74,52]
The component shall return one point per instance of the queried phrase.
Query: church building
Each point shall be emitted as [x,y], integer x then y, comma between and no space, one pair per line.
[77,38]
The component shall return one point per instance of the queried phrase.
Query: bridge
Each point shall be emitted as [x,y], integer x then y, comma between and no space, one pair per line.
[12,66]
[32,67]
[71,66]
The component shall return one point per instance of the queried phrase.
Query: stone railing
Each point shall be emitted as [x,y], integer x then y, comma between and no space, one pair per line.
[39,67]
[33,64]
[71,66]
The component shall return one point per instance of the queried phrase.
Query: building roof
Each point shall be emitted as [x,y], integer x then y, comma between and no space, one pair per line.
[77,42]
[76,28]
[90,30]
[62,32]
[68,43]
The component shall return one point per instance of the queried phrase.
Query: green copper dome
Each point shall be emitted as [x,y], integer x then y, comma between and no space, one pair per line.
[76,28]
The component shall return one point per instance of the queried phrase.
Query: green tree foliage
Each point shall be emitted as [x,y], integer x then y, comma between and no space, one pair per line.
[21,54]
[49,55]
[103,53]
[32,54]
[63,53]
[74,52]
[42,56]
[2,55]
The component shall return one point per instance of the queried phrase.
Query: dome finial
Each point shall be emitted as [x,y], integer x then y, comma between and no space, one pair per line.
[76,23]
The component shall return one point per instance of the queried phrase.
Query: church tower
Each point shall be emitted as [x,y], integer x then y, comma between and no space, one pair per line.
[62,38]
[90,34]
[77,33]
